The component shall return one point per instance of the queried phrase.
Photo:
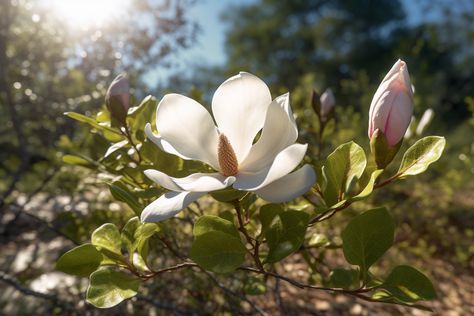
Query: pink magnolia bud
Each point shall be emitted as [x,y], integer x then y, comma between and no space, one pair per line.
[119,89]
[327,102]
[392,106]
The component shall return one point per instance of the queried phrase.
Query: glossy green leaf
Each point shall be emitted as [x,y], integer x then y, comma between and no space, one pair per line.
[79,161]
[409,285]
[208,223]
[80,261]
[218,251]
[419,156]
[267,213]
[114,147]
[107,237]
[286,234]
[108,288]
[341,169]
[227,195]
[92,122]
[367,237]
[142,235]
[124,195]
[228,215]
[146,230]
[368,188]
[343,278]
[143,113]
[318,240]
[128,234]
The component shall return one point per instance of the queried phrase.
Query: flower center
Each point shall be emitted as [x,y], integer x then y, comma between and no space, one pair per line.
[226,156]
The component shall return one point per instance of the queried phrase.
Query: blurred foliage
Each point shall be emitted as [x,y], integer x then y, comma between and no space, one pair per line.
[50,67]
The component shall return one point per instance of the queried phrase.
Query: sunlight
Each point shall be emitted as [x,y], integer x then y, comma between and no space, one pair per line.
[88,13]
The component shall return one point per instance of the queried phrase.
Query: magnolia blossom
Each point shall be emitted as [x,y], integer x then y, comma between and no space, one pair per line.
[327,102]
[392,106]
[241,107]
[118,90]
[425,120]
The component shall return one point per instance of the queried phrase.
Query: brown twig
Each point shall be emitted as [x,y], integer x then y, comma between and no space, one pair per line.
[12,281]
[250,240]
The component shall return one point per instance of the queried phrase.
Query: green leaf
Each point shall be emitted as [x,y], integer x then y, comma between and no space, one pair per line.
[419,156]
[80,161]
[107,237]
[146,230]
[367,237]
[267,213]
[227,195]
[286,234]
[342,167]
[108,288]
[218,251]
[142,234]
[121,193]
[92,122]
[143,113]
[114,147]
[368,188]
[409,285]
[80,261]
[208,223]
[343,278]
[128,234]
[318,240]
[228,215]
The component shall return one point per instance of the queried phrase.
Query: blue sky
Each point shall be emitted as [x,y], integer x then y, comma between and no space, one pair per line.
[209,49]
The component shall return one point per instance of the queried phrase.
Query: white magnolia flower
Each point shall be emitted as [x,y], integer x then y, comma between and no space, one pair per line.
[241,106]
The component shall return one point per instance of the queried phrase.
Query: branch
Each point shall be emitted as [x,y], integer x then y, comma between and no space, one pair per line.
[161,305]
[12,281]
[307,286]
[249,239]
[230,292]
[329,213]
[47,225]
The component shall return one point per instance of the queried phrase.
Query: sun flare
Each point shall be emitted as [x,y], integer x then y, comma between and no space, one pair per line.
[88,13]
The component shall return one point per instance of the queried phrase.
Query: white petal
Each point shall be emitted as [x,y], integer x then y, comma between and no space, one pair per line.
[279,131]
[197,182]
[168,205]
[290,186]
[239,106]
[161,143]
[188,128]
[284,163]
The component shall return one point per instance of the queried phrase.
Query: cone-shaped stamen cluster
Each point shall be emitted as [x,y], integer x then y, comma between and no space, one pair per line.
[226,156]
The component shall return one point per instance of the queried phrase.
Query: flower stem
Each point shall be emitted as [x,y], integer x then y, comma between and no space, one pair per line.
[250,240]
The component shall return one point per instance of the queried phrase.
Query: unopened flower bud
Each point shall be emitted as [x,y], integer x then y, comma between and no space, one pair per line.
[327,102]
[316,103]
[118,97]
[392,106]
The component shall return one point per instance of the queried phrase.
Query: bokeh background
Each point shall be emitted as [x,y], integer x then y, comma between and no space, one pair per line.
[60,55]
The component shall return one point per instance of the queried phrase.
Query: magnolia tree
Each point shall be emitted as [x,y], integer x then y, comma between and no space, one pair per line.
[246,156]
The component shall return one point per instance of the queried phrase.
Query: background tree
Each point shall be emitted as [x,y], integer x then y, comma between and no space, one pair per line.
[50,66]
